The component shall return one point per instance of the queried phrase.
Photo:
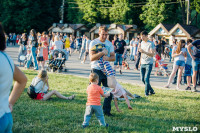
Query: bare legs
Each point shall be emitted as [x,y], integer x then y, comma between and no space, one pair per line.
[175,68]
[54,92]
[180,71]
[112,83]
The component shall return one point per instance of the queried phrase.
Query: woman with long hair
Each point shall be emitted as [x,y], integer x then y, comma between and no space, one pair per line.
[41,84]
[179,53]
[33,42]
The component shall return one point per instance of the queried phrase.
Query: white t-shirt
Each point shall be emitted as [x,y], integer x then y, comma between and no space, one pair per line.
[38,84]
[6,81]
[87,44]
[108,46]
[40,52]
[147,46]
[58,45]
[180,57]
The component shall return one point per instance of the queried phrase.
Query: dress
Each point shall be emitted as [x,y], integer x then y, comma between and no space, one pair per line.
[45,48]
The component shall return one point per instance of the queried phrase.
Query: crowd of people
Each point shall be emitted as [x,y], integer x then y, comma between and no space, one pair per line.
[144,50]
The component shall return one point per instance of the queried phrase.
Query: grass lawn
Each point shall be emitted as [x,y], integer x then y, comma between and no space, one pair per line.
[158,113]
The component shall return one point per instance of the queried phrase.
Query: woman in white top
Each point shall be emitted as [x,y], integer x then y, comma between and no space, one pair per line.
[179,53]
[8,72]
[41,86]
[58,44]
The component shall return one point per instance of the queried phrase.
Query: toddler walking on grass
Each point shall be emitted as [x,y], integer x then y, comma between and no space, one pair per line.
[93,104]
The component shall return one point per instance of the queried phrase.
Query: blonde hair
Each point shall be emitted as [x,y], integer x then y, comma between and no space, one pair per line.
[42,74]
[178,50]
[103,28]
[93,77]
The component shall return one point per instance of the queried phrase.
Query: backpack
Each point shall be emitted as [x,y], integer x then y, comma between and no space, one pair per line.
[31,91]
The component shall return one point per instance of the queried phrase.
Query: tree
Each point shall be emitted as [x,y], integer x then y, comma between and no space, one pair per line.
[23,15]
[119,12]
[153,13]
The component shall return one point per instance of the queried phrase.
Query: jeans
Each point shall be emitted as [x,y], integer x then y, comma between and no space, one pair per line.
[6,123]
[170,57]
[33,55]
[90,109]
[118,58]
[145,72]
[82,53]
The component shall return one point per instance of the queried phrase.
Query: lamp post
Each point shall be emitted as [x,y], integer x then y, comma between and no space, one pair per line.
[62,11]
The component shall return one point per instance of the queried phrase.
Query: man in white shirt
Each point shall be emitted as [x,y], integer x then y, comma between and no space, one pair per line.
[147,50]
[108,55]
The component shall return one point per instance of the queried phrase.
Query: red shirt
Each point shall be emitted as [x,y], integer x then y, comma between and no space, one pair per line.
[94,94]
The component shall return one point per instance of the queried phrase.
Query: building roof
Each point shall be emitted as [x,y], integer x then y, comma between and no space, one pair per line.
[109,26]
[189,30]
[165,27]
[62,26]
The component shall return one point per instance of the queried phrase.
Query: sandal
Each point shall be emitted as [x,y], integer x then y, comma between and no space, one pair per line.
[166,86]
[188,88]
[130,108]
[71,97]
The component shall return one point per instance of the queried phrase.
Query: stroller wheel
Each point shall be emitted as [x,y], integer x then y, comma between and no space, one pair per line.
[53,69]
[59,70]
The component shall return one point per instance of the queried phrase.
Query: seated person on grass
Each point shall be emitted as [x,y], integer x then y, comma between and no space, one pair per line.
[41,86]
[106,68]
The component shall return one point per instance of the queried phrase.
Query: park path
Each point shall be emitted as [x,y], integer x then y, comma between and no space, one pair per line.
[131,76]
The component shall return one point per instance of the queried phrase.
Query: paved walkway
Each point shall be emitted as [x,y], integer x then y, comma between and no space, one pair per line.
[131,76]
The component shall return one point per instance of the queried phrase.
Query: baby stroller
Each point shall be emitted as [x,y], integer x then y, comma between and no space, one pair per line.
[57,60]
[161,67]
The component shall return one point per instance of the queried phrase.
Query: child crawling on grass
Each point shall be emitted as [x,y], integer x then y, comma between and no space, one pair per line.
[106,68]
[93,104]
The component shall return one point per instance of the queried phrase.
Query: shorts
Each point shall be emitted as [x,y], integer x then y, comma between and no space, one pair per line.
[180,63]
[39,96]
[40,58]
[118,58]
[188,70]
[86,53]
[195,64]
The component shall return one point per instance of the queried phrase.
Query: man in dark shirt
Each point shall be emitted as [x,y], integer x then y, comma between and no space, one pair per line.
[195,60]
[120,50]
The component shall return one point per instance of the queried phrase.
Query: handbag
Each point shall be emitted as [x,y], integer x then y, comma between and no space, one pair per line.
[31,91]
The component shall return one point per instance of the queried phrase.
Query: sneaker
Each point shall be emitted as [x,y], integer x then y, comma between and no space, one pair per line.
[194,89]
[188,88]
[107,125]
[82,62]
[108,114]
[146,95]
[152,93]
[120,71]
[174,82]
